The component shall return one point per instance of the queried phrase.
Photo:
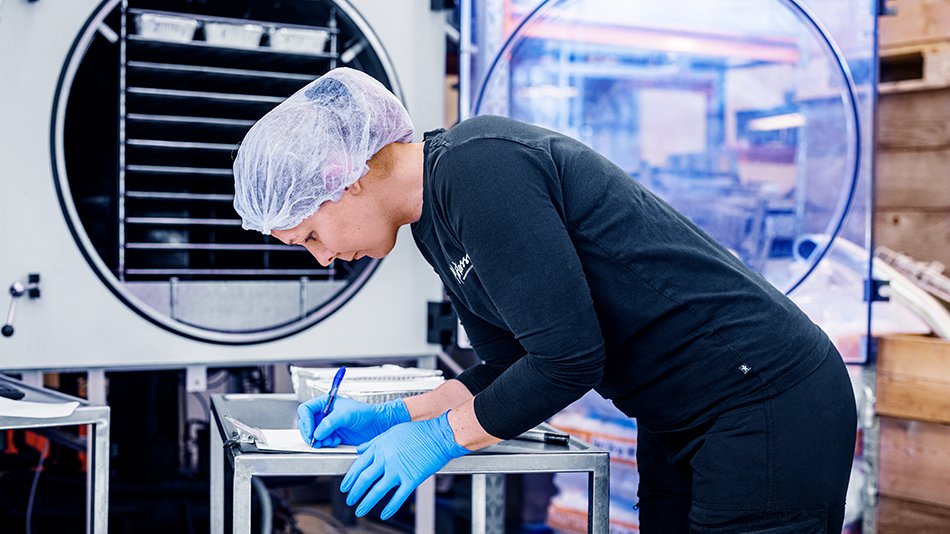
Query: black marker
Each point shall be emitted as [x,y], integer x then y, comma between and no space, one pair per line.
[553,438]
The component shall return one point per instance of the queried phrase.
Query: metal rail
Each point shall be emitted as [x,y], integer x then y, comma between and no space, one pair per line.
[184,145]
[222,71]
[160,195]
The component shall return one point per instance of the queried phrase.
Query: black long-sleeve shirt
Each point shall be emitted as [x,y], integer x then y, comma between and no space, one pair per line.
[569,275]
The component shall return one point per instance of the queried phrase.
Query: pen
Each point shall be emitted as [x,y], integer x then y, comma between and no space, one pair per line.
[554,438]
[337,378]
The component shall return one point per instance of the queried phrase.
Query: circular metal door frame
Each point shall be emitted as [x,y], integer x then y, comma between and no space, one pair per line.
[851,104]
[74,56]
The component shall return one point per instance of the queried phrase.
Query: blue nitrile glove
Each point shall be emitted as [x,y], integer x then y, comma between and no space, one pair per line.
[404,456]
[350,422]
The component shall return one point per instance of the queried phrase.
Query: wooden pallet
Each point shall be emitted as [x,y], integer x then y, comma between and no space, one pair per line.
[913,398]
[918,66]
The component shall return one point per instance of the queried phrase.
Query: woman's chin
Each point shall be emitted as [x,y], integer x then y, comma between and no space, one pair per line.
[380,254]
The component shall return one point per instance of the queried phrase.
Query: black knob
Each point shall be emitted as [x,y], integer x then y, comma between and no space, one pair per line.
[7,330]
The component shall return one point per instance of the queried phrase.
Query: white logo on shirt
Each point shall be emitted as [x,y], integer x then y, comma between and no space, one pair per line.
[461,269]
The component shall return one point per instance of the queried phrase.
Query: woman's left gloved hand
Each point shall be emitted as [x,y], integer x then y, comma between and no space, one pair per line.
[404,456]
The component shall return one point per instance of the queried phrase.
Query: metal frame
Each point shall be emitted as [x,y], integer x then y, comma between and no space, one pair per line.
[870,425]
[96,444]
[240,466]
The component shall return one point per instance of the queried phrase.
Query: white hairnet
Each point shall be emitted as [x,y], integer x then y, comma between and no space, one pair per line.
[311,146]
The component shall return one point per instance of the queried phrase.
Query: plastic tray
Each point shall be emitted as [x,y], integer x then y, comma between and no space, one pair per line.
[369,391]
[376,372]
[298,40]
[366,384]
[233,35]
[165,27]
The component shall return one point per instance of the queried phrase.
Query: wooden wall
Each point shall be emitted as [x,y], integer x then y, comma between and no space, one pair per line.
[913,173]
[913,138]
[913,216]
[917,21]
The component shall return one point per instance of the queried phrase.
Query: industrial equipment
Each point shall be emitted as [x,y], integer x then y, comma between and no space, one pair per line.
[120,124]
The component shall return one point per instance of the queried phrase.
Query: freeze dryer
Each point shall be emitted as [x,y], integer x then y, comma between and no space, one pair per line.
[120,122]
[753,118]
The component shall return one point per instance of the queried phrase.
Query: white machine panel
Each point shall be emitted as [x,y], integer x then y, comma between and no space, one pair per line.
[79,322]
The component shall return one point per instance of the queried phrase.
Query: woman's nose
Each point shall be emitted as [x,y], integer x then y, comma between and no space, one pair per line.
[323,256]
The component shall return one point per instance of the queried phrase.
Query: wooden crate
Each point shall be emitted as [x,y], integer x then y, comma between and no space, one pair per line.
[915,461]
[897,516]
[913,379]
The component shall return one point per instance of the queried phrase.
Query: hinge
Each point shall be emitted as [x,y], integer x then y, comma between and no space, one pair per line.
[872,290]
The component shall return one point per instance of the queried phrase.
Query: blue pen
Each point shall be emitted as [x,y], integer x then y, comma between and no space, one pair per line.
[337,378]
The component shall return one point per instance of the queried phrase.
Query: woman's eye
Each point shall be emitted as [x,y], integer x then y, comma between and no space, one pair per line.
[309,238]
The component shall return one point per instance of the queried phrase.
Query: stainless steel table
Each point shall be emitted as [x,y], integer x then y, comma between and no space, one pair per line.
[97,445]
[237,464]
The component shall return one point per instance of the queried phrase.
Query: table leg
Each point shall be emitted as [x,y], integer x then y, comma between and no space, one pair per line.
[217,480]
[241,523]
[97,477]
[32,378]
[96,386]
[598,501]
[488,504]
[425,507]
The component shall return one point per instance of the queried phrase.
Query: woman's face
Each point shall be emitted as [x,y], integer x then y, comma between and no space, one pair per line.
[347,230]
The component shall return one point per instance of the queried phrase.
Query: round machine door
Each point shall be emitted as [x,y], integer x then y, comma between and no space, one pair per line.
[741,114]
[152,103]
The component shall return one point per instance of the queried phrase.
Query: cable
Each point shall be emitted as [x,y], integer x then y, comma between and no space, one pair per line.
[36,479]
[267,506]
[265,382]
[220,378]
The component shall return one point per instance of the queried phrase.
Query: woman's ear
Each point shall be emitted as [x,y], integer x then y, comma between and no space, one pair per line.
[355,188]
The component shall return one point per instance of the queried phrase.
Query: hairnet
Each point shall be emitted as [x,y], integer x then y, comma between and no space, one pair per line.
[313,145]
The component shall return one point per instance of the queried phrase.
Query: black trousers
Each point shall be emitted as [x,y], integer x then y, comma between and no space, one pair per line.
[777,466]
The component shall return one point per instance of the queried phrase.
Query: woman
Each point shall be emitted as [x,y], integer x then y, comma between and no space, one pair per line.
[568,276]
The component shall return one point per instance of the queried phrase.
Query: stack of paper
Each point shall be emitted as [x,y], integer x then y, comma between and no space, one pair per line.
[42,410]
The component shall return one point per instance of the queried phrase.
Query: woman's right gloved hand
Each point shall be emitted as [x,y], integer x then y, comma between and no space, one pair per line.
[350,422]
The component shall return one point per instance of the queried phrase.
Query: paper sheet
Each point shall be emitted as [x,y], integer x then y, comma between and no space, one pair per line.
[279,439]
[43,410]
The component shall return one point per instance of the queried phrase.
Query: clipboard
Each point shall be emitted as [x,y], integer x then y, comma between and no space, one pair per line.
[279,440]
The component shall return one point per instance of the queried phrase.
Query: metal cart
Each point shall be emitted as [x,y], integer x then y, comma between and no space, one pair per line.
[239,463]
[96,444]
